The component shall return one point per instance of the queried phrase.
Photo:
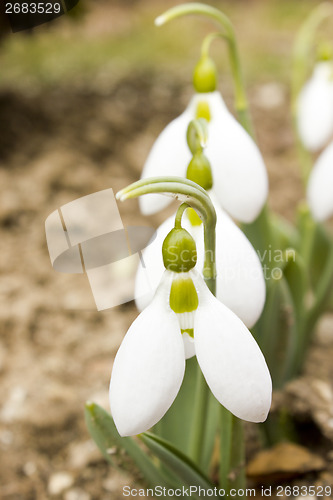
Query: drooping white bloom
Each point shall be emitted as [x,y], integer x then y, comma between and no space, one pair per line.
[240,283]
[149,367]
[315,108]
[239,174]
[320,186]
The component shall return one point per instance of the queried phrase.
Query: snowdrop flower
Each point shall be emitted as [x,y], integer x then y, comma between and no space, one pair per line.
[240,178]
[315,107]
[240,281]
[320,186]
[149,367]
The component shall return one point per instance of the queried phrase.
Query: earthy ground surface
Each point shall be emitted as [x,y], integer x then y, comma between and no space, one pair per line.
[61,141]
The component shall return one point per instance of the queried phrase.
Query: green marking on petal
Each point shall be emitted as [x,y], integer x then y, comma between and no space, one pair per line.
[193,217]
[325,51]
[189,331]
[203,111]
[183,295]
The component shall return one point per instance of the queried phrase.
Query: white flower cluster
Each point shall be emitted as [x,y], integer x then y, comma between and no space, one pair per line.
[149,366]
[315,126]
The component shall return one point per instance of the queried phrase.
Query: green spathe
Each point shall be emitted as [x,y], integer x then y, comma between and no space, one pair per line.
[205,75]
[199,171]
[179,251]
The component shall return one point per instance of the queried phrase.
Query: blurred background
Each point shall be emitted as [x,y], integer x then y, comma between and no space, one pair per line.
[82,100]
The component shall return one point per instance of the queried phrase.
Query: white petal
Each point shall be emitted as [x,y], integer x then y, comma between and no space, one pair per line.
[230,359]
[320,186]
[239,175]
[169,155]
[240,283]
[315,108]
[149,367]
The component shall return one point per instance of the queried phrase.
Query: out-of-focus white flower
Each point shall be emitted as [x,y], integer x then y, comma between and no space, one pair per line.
[239,173]
[315,107]
[149,367]
[240,283]
[320,186]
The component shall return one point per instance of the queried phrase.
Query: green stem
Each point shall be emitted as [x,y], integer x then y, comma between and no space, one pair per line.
[197,198]
[197,435]
[205,46]
[241,103]
[232,451]
[313,314]
[179,215]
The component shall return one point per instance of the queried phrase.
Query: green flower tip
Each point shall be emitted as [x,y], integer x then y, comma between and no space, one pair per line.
[199,171]
[325,51]
[179,251]
[159,20]
[205,75]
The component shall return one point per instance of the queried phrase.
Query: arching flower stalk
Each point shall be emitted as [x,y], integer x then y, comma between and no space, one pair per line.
[240,280]
[149,366]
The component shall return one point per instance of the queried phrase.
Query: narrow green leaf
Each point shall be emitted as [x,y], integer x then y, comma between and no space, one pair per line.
[175,425]
[177,462]
[212,420]
[296,276]
[319,255]
[275,326]
[232,452]
[103,431]
[285,234]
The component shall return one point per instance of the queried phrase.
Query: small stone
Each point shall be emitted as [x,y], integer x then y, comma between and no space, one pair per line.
[270,95]
[76,494]
[83,453]
[116,482]
[29,468]
[59,482]
[6,438]
[324,330]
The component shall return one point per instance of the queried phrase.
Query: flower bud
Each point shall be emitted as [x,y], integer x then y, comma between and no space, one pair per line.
[199,171]
[205,75]
[179,251]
